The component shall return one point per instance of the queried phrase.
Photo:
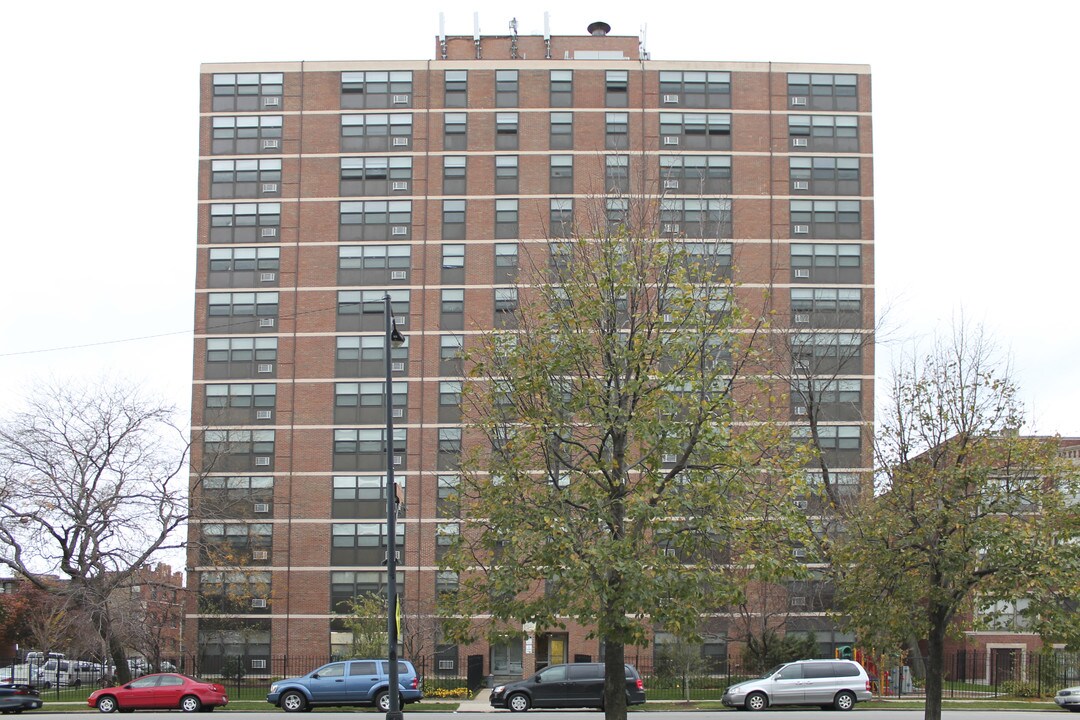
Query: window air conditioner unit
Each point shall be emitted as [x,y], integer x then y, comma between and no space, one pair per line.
[671,184]
[399,230]
[798,100]
[398,412]
[398,274]
[262,507]
[671,227]
[446,664]
[800,185]
[266,322]
[798,142]
[266,368]
[400,185]
[802,318]
[268,277]
[798,600]
[401,99]
[799,552]
[667,317]
[269,187]
[800,409]
[260,554]
[671,99]
[258,664]
[802,229]
[401,141]
[269,144]
[668,458]
[264,414]
[401,320]
[802,272]
[258,602]
[398,459]
[271,101]
[671,139]
[397,367]
[268,232]
[262,461]
[801,504]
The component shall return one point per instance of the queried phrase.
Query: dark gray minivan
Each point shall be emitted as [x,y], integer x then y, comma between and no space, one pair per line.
[565,686]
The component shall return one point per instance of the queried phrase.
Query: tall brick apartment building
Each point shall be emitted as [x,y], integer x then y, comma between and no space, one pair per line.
[325,185]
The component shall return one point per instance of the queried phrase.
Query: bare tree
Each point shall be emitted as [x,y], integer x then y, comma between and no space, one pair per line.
[90,490]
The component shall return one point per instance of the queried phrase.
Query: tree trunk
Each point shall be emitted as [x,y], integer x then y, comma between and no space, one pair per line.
[935,663]
[614,681]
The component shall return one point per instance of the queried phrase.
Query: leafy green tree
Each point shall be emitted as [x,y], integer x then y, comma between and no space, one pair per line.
[366,620]
[968,512]
[770,649]
[630,472]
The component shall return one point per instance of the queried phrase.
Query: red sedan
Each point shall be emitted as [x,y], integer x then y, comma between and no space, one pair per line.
[163,691]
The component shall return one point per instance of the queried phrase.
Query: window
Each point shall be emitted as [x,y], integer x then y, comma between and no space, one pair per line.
[826,262]
[506,88]
[709,260]
[826,307]
[365,402]
[245,222]
[506,174]
[616,209]
[616,130]
[562,131]
[452,309]
[360,496]
[376,89]
[365,449]
[241,357]
[246,135]
[363,309]
[230,542]
[365,356]
[822,352]
[240,403]
[449,448]
[373,264]
[824,133]
[820,91]
[454,175]
[561,218]
[363,543]
[506,131]
[375,220]
[248,92]
[455,88]
[695,131]
[446,534]
[828,399]
[616,174]
[232,592]
[376,133]
[245,178]
[447,503]
[453,219]
[229,450]
[238,496]
[347,586]
[506,218]
[450,354]
[244,638]
[616,86]
[453,263]
[824,175]
[562,88]
[446,581]
[449,401]
[244,267]
[826,219]
[562,174]
[506,262]
[695,218]
[695,89]
[834,439]
[506,305]
[695,174]
[375,175]
[455,131]
[242,312]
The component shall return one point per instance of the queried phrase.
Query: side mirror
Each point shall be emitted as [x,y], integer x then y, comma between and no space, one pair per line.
[537,679]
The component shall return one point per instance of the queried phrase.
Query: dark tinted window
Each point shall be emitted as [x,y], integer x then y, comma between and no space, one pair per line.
[791,672]
[845,670]
[363,667]
[553,674]
[818,670]
[586,671]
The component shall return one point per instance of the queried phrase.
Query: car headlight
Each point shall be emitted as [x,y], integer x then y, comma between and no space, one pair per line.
[499,688]
[273,688]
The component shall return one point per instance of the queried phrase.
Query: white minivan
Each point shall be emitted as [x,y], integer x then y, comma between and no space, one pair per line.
[837,684]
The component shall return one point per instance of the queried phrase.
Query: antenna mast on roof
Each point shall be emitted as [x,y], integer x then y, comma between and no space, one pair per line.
[547,35]
[513,39]
[442,35]
[476,34]
[641,43]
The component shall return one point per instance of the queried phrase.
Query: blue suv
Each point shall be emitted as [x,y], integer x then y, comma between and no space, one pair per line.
[349,682]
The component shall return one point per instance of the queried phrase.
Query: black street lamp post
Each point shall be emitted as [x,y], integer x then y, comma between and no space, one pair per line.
[393,339]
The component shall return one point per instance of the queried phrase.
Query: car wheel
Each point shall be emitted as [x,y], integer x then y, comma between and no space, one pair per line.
[77,684]
[518,702]
[844,700]
[46,685]
[382,701]
[756,701]
[106,703]
[293,702]
[190,703]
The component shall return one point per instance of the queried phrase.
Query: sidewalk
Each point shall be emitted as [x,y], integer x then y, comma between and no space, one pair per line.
[479,704]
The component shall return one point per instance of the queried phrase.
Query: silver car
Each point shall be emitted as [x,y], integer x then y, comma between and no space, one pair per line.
[1069,699]
[837,684]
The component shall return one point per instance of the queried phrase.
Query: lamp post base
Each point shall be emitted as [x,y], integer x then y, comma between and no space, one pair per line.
[395,715]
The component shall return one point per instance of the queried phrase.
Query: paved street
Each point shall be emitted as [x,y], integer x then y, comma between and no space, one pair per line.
[792,714]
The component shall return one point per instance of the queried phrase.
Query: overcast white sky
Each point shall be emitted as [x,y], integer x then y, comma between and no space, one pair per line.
[975,159]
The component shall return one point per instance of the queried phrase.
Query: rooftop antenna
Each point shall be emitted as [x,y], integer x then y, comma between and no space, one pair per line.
[547,35]
[476,34]
[641,43]
[513,39]
[442,35]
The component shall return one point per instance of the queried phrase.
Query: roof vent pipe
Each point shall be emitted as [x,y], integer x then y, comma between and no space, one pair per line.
[599,29]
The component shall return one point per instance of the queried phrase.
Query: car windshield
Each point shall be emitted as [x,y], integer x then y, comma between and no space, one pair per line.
[775,670]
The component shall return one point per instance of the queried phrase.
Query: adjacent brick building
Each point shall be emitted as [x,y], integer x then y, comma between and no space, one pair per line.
[325,185]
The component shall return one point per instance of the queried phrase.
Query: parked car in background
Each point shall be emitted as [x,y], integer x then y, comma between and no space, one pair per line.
[23,673]
[67,673]
[16,697]
[837,684]
[565,686]
[349,682]
[1068,699]
[164,691]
